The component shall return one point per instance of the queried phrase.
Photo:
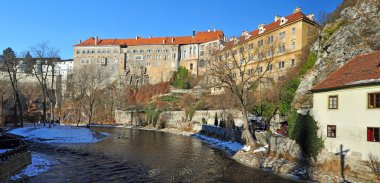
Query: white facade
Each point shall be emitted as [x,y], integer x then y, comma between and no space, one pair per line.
[352,118]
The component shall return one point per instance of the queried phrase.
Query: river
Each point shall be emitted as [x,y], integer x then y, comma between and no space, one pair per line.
[132,155]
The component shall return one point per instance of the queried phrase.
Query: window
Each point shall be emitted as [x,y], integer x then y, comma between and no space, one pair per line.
[134,51]
[281,64]
[293,31]
[260,56]
[158,51]
[269,67]
[281,35]
[260,43]
[373,134]
[191,66]
[165,51]
[281,48]
[202,47]
[333,102]
[138,57]
[250,58]
[149,51]
[373,100]
[250,71]
[259,69]
[149,57]
[293,62]
[78,52]
[270,40]
[201,53]
[293,45]
[250,46]
[141,51]
[233,75]
[158,57]
[241,50]
[215,45]
[331,131]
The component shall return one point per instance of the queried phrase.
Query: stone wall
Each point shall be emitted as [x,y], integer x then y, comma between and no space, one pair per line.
[234,135]
[178,118]
[14,164]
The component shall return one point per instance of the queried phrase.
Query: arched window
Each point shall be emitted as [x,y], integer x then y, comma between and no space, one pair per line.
[191,66]
[191,49]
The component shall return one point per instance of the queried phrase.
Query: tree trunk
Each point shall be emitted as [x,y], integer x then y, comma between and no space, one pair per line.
[19,110]
[44,108]
[248,136]
[1,111]
[14,113]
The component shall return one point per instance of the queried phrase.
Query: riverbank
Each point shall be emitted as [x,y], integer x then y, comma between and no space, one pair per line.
[236,151]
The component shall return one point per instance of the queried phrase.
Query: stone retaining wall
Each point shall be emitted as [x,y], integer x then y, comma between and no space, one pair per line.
[233,135]
[14,164]
[178,118]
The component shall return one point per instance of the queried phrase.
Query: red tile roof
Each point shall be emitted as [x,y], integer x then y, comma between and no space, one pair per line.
[270,27]
[361,70]
[200,37]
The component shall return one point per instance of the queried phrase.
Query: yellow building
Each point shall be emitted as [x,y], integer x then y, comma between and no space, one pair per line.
[275,48]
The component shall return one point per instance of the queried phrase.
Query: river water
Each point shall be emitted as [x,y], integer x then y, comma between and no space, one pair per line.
[132,155]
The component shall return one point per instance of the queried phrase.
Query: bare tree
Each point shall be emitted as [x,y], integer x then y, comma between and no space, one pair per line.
[88,84]
[240,68]
[12,66]
[4,91]
[44,71]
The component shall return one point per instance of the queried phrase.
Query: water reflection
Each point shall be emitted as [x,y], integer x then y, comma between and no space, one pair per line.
[131,155]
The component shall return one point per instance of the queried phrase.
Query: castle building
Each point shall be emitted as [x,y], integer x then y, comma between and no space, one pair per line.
[276,47]
[139,61]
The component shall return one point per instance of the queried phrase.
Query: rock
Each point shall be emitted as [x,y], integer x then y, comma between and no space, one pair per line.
[359,34]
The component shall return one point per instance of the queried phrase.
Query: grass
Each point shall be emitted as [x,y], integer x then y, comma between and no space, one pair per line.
[169,98]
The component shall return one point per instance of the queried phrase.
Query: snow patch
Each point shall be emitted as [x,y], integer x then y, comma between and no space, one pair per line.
[4,150]
[231,147]
[40,164]
[60,134]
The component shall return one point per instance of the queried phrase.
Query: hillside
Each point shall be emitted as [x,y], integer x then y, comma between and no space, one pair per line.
[353,30]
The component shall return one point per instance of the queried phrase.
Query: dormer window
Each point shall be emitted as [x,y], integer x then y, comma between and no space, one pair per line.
[261,28]
[283,20]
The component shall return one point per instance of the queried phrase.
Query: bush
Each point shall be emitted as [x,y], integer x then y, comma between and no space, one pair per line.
[304,130]
[216,119]
[222,123]
[373,163]
[181,78]
[230,122]
[204,121]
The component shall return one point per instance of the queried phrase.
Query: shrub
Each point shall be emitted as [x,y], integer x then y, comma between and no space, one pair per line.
[222,123]
[304,130]
[169,98]
[373,163]
[216,119]
[230,122]
[204,121]
[181,78]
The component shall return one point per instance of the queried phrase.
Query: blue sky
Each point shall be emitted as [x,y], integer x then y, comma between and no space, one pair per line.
[63,23]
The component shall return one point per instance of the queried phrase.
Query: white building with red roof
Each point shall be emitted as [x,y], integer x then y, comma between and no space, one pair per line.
[347,107]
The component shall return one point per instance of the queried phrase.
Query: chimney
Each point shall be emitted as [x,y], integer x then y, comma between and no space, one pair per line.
[311,17]
[298,9]
[163,41]
[137,37]
[214,30]
[208,30]
[80,41]
[277,18]
[193,33]
[172,39]
[244,33]
[96,40]
[150,37]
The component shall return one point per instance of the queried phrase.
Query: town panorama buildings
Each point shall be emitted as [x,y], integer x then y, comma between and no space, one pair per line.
[139,60]
[277,47]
